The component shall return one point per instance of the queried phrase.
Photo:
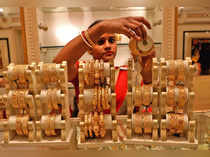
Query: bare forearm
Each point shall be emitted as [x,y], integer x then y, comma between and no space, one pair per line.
[74,50]
[76,47]
[147,68]
[147,76]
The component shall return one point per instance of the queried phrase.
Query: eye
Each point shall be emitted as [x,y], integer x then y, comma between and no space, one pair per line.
[101,42]
[112,40]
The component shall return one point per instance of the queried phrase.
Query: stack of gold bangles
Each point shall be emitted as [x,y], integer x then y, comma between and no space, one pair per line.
[138,97]
[94,125]
[15,99]
[100,99]
[49,104]
[170,99]
[2,107]
[54,99]
[147,123]
[171,72]
[182,96]
[147,95]
[180,71]
[22,125]
[20,71]
[94,73]
[138,122]
[50,125]
[176,123]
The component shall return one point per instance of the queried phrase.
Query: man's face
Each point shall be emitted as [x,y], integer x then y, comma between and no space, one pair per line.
[105,48]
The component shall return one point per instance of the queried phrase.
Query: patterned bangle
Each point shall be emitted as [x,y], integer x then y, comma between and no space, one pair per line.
[87,41]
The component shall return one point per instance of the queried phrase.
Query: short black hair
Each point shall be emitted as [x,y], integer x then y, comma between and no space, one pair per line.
[94,23]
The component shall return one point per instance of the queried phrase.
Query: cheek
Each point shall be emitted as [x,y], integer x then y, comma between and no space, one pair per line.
[114,48]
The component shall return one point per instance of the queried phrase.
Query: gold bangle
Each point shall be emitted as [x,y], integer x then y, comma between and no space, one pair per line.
[170,99]
[18,125]
[94,101]
[138,97]
[182,97]
[103,98]
[15,99]
[88,39]
[148,122]
[49,101]
[96,130]
[47,130]
[101,71]
[180,71]
[21,99]
[102,131]
[25,124]
[138,121]
[101,119]
[52,125]
[54,99]
[84,38]
[147,95]
[99,109]
[97,74]
[91,73]
[86,76]
[171,72]
[107,97]
[139,48]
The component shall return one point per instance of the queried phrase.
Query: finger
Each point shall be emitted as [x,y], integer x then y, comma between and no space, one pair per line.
[135,29]
[141,29]
[144,21]
[144,32]
[129,33]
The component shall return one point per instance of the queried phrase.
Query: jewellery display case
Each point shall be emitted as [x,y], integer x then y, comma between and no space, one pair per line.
[37,105]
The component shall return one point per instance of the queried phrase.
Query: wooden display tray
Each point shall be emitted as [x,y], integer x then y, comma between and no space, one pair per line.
[171,141]
[49,141]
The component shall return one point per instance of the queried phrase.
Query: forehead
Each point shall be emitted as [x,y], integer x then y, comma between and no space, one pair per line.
[107,35]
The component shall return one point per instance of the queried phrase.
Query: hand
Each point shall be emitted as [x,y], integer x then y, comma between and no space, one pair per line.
[130,26]
[145,61]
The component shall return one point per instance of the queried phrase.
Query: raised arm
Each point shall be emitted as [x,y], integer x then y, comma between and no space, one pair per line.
[74,49]
[129,26]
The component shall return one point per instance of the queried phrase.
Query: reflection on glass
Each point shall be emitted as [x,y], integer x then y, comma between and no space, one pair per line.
[66,23]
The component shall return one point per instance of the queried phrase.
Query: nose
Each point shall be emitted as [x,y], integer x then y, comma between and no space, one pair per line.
[107,45]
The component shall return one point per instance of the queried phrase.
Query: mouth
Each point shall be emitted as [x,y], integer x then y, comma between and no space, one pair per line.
[108,54]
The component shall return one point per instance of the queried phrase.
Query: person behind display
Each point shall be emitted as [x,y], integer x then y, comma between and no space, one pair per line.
[99,40]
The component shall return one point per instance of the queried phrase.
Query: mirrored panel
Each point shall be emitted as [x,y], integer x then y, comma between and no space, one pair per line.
[11,49]
[59,25]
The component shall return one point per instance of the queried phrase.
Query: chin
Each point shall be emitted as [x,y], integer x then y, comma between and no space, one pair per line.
[108,59]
